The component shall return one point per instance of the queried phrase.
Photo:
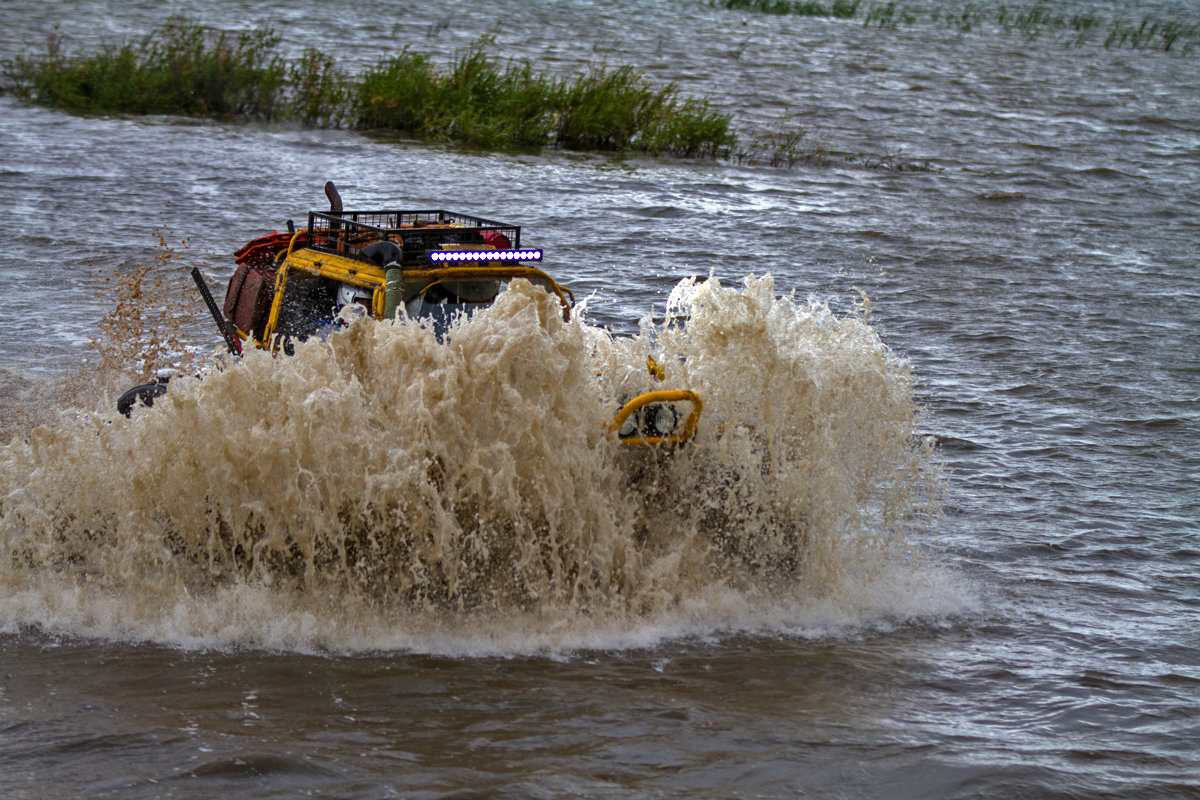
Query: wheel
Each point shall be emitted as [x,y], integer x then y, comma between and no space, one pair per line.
[143,395]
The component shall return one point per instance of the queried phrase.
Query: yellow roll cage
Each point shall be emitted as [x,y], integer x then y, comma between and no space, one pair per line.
[372,277]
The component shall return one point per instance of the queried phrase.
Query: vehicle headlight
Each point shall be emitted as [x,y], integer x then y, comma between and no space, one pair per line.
[628,427]
[655,417]
[662,420]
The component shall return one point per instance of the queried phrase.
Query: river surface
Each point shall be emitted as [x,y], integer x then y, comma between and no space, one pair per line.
[1035,292]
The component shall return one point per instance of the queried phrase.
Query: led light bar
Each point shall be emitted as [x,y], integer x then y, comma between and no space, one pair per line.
[486,255]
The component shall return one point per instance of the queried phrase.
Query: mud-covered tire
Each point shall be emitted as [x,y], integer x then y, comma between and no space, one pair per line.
[141,395]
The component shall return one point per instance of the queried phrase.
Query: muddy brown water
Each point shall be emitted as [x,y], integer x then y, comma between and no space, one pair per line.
[1032,301]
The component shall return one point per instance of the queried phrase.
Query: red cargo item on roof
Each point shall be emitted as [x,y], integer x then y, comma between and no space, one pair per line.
[496,239]
[262,251]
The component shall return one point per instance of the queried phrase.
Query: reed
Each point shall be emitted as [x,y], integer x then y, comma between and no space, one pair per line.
[482,103]
[179,69]
[318,92]
[1156,34]
[1075,27]
[838,9]
[785,148]
[888,15]
[476,102]
[184,69]
[621,110]
[1071,27]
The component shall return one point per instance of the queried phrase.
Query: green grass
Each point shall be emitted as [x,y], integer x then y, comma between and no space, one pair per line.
[317,91]
[480,102]
[188,70]
[475,99]
[179,69]
[622,110]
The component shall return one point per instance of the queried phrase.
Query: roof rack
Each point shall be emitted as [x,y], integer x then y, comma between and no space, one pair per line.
[417,232]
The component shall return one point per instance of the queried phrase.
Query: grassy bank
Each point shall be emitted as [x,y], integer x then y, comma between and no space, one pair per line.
[185,69]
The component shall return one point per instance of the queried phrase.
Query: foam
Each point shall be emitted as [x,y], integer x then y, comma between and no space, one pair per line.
[384,490]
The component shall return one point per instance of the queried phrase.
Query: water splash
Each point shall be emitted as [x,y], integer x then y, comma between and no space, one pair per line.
[383,489]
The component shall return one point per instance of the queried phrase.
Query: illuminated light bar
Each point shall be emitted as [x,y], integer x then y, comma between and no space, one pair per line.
[486,255]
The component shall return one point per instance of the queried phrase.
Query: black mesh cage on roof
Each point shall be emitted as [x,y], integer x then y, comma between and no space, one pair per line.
[417,232]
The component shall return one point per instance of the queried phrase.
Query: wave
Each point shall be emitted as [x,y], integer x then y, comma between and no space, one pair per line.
[389,490]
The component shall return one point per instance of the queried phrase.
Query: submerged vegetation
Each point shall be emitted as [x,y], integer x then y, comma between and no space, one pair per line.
[1031,21]
[186,69]
[180,69]
[838,9]
[479,102]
